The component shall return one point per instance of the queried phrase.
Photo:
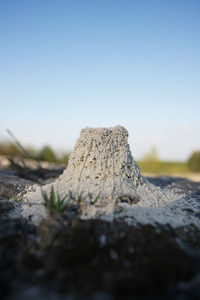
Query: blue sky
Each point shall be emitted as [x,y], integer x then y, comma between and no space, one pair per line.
[65,65]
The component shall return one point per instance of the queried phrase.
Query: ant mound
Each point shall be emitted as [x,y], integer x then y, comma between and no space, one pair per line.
[105,181]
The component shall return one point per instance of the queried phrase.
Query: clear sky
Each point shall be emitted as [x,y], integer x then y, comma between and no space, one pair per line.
[68,64]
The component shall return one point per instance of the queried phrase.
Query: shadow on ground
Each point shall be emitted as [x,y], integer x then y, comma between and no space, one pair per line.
[66,258]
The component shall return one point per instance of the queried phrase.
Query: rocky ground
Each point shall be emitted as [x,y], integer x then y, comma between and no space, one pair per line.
[66,258]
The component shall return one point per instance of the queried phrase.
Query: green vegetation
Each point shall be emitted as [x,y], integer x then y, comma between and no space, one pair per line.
[79,199]
[45,154]
[194,162]
[163,167]
[53,201]
[9,149]
[93,201]
[56,204]
[151,163]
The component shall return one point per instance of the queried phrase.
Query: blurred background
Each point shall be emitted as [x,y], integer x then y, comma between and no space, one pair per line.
[69,64]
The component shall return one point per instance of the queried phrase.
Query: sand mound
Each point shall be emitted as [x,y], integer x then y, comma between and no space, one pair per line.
[101,167]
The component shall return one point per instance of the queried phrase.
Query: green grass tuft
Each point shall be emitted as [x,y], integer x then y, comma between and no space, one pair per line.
[54,202]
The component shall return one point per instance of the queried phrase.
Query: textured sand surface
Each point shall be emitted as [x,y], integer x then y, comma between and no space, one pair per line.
[102,165]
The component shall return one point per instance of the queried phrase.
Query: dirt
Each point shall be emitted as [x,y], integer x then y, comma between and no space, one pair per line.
[68,258]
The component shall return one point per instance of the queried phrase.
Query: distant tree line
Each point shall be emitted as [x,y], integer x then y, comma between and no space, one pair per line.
[194,162]
[46,153]
[152,164]
[149,163]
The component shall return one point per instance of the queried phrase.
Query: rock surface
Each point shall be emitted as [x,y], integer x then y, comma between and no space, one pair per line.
[11,184]
[11,187]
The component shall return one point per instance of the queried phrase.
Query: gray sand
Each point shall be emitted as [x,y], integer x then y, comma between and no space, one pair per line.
[101,165]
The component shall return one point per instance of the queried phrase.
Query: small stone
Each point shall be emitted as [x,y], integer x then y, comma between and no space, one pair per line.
[128,198]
